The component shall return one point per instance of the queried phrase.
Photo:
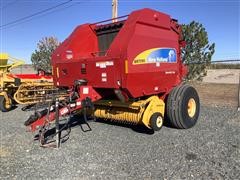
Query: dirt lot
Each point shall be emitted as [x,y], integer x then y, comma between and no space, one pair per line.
[213,94]
[228,76]
[210,150]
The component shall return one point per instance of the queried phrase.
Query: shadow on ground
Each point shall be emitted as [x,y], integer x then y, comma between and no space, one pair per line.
[65,127]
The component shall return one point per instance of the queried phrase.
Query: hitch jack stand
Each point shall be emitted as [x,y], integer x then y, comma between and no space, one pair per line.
[57,124]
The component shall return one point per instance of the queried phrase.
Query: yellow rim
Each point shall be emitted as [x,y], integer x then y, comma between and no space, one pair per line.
[159,121]
[8,103]
[192,107]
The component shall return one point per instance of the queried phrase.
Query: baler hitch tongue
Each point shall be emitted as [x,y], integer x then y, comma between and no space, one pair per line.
[61,109]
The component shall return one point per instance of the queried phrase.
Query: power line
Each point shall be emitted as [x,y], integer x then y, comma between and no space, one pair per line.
[42,15]
[35,14]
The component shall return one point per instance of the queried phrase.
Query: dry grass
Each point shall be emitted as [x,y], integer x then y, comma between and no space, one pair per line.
[217,94]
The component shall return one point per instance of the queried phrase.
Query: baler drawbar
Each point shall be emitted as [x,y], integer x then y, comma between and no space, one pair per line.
[129,71]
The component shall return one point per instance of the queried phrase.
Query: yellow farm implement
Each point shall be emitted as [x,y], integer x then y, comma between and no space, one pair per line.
[21,88]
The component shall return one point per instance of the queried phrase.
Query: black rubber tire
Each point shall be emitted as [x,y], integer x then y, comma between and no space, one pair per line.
[153,121]
[3,107]
[170,107]
[177,107]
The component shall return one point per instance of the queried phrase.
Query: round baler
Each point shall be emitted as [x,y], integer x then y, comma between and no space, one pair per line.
[130,71]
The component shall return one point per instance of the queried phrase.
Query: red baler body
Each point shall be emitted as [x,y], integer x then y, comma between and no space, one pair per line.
[122,70]
[129,55]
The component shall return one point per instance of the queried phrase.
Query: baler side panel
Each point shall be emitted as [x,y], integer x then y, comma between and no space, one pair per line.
[154,77]
[146,37]
[99,72]
[66,72]
[102,72]
[80,44]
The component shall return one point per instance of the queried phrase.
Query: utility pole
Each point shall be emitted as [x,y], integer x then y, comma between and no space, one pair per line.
[114,10]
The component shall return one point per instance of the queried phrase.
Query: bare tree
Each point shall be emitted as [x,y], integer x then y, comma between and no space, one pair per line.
[41,58]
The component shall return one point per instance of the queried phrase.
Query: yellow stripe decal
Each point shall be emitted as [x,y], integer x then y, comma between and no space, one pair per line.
[52,71]
[126,66]
[57,72]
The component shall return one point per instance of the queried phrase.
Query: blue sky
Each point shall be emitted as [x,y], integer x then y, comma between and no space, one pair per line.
[220,18]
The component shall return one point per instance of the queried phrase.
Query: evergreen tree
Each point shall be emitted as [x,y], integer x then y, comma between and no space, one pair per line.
[198,52]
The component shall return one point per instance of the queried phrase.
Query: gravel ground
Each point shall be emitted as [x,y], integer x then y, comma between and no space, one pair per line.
[210,150]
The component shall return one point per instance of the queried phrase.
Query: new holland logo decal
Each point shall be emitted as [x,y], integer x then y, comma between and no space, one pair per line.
[166,55]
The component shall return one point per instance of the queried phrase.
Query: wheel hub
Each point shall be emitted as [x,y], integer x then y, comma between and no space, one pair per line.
[8,104]
[192,107]
[159,121]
